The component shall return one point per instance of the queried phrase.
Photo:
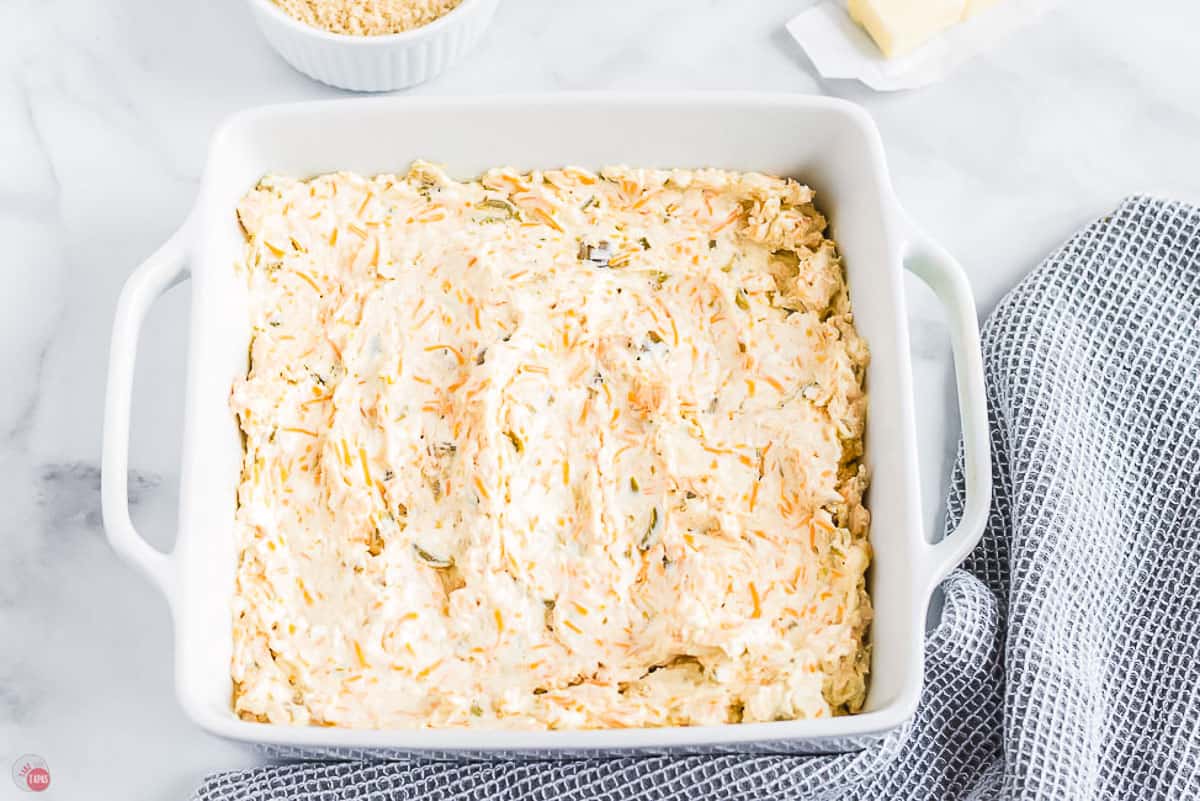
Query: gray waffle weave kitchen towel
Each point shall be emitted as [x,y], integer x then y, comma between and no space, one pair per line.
[1067,663]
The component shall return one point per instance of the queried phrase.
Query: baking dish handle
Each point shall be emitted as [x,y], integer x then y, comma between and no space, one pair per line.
[160,272]
[945,276]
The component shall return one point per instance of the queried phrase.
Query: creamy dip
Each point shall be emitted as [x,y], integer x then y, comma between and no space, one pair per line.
[557,449]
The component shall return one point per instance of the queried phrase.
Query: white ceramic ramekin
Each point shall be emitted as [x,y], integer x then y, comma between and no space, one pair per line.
[375,63]
[830,144]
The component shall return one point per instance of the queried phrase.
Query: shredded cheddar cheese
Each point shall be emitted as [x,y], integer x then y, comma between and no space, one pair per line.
[490,480]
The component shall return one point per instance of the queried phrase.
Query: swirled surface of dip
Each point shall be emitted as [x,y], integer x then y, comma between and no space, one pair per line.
[556,449]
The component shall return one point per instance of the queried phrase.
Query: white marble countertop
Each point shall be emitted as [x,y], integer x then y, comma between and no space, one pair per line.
[105,111]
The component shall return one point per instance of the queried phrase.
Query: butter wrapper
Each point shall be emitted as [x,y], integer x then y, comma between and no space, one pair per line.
[839,48]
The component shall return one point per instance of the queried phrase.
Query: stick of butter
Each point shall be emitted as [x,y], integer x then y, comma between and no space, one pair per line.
[900,26]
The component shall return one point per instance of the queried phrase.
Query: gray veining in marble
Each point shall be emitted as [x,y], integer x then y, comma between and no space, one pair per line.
[105,110]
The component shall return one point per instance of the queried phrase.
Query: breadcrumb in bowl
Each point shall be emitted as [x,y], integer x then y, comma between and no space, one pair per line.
[372,45]
[367,17]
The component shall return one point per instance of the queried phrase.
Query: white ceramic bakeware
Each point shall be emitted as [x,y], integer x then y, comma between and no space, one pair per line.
[830,144]
[375,63]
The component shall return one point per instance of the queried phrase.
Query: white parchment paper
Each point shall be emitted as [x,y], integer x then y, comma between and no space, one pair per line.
[839,48]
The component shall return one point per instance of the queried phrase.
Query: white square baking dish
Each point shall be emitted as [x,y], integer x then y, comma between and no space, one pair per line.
[829,144]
